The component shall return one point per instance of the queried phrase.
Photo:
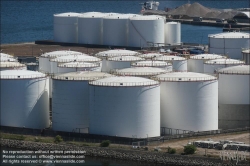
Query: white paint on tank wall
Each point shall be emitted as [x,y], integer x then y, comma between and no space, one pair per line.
[70,106]
[234,89]
[189,105]
[179,65]
[25,103]
[134,112]
[172,33]
[146,29]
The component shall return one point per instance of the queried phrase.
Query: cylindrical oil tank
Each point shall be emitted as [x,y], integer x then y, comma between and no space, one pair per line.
[150,56]
[12,66]
[246,56]
[189,101]
[6,55]
[125,107]
[173,33]
[178,63]
[104,55]
[46,66]
[121,62]
[66,27]
[211,66]
[7,59]
[78,66]
[115,29]
[44,59]
[146,31]
[146,72]
[158,64]
[229,43]
[90,28]
[24,99]
[70,104]
[234,100]
[71,58]
[196,62]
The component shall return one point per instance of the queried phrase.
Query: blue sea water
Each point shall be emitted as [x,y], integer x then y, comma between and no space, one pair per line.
[30,20]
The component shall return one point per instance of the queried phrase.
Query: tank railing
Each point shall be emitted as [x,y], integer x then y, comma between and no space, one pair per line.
[49,55]
[228,37]
[209,57]
[225,62]
[8,60]
[148,83]
[12,65]
[22,76]
[235,72]
[138,73]
[93,59]
[109,55]
[125,59]
[166,58]
[79,65]
[149,64]
[77,78]
[187,79]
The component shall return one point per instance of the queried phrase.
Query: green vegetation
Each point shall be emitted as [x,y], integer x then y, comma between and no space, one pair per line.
[105,143]
[58,139]
[189,149]
[171,150]
[12,136]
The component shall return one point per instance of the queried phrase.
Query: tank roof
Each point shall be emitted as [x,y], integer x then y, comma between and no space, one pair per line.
[237,70]
[246,51]
[7,59]
[93,15]
[81,75]
[184,77]
[139,71]
[55,54]
[78,64]
[76,58]
[120,81]
[150,63]
[120,16]
[172,22]
[230,35]
[147,17]
[169,58]
[68,14]
[223,61]
[5,55]
[150,55]
[125,58]
[118,52]
[20,74]
[206,56]
[11,64]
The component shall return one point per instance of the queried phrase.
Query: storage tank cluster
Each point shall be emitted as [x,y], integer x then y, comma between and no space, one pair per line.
[234,100]
[229,43]
[115,29]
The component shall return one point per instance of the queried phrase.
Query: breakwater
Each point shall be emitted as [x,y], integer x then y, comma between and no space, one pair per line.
[124,154]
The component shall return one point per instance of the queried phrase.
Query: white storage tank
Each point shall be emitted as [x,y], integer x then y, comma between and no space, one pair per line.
[66,27]
[146,31]
[24,99]
[104,55]
[6,55]
[146,72]
[71,58]
[115,29]
[131,108]
[121,62]
[211,66]
[178,63]
[246,56]
[78,66]
[229,43]
[173,33]
[12,66]
[158,64]
[44,59]
[90,28]
[196,62]
[234,100]
[150,56]
[7,59]
[189,101]
[70,104]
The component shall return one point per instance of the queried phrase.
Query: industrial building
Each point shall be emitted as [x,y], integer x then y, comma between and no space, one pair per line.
[234,100]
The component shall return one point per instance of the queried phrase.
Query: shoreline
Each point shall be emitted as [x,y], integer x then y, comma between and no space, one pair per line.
[123,154]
